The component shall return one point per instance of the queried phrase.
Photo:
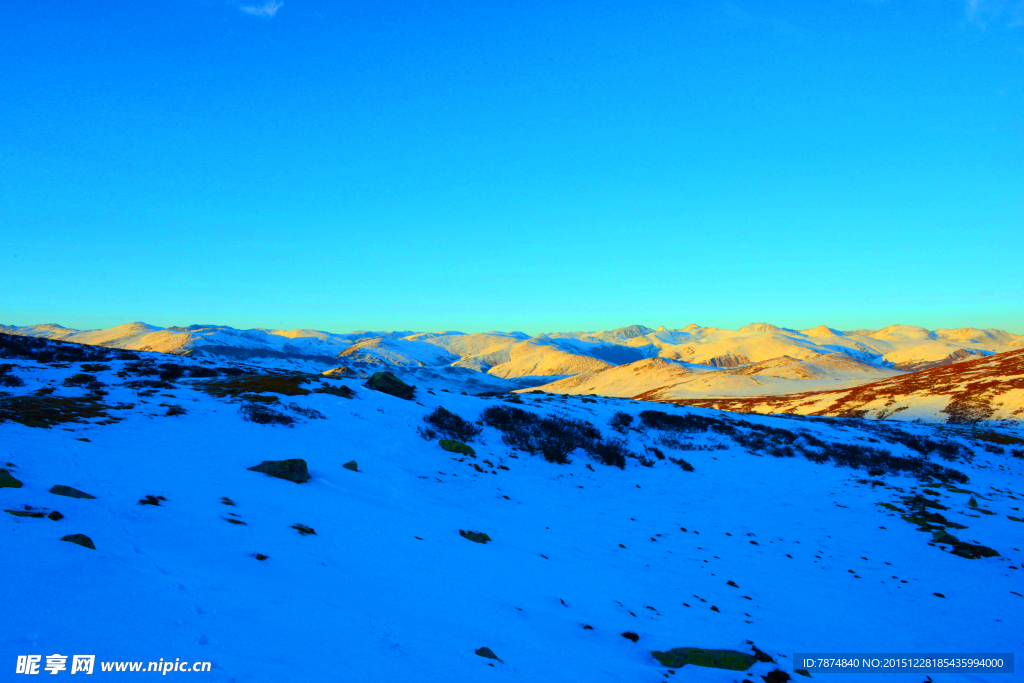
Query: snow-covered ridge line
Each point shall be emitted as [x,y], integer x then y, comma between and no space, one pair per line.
[772,359]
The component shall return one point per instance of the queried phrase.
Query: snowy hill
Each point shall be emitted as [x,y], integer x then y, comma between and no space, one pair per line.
[771,359]
[662,380]
[718,531]
[986,389]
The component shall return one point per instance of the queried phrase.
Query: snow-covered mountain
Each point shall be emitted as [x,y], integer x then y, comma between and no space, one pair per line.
[756,359]
[662,379]
[136,529]
[982,390]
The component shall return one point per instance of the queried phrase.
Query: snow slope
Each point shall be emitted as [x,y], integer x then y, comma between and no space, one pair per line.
[785,552]
[990,388]
[659,379]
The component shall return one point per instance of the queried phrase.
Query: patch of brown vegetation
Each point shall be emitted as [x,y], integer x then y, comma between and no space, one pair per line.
[248,387]
[46,411]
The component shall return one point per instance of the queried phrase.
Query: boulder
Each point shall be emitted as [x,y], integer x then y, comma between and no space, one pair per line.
[292,470]
[7,481]
[475,536]
[351,465]
[698,656]
[80,539]
[453,446]
[28,512]
[389,384]
[487,652]
[61,490]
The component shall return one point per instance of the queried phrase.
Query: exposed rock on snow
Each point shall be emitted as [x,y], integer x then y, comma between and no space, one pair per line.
[8,481]
[389,384]
[487,652]
[453,446]
[475,536]
[293,469]
[80,539]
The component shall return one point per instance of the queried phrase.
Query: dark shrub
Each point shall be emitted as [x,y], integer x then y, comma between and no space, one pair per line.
[612,453]
[175,410]
[95,367]
[11,381]
[79,380]
[202,371]
[138,369]
[171,371]
[505,418]
[264,415]
[310,413]
[687,467]
[148,384]
[451,426]
[621,421]
[551,436]
[679,423]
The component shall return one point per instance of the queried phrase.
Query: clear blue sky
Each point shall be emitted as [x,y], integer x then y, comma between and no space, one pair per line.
[526,165]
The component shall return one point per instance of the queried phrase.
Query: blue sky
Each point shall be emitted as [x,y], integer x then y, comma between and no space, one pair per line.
[513,165]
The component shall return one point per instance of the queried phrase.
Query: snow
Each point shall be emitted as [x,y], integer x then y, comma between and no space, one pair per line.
[555,354]
[365,599]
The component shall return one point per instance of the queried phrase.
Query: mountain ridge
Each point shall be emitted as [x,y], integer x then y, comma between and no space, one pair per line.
[756,360]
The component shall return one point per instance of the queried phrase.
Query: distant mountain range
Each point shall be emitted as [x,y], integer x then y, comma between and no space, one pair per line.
[663,364]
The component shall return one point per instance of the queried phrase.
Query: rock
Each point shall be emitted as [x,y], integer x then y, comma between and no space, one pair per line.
[61,490]
[777,676]
[351,465]
[292,470]
[7,481]
[389,384]
[629,635]
[715,659]
[973,552]
[759,654]
[941,536]
[27,512]
[453,446]
[80,539]
[55,516]
[340,390]
[973,502]
[802,672]
[487,652]
[475,536]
